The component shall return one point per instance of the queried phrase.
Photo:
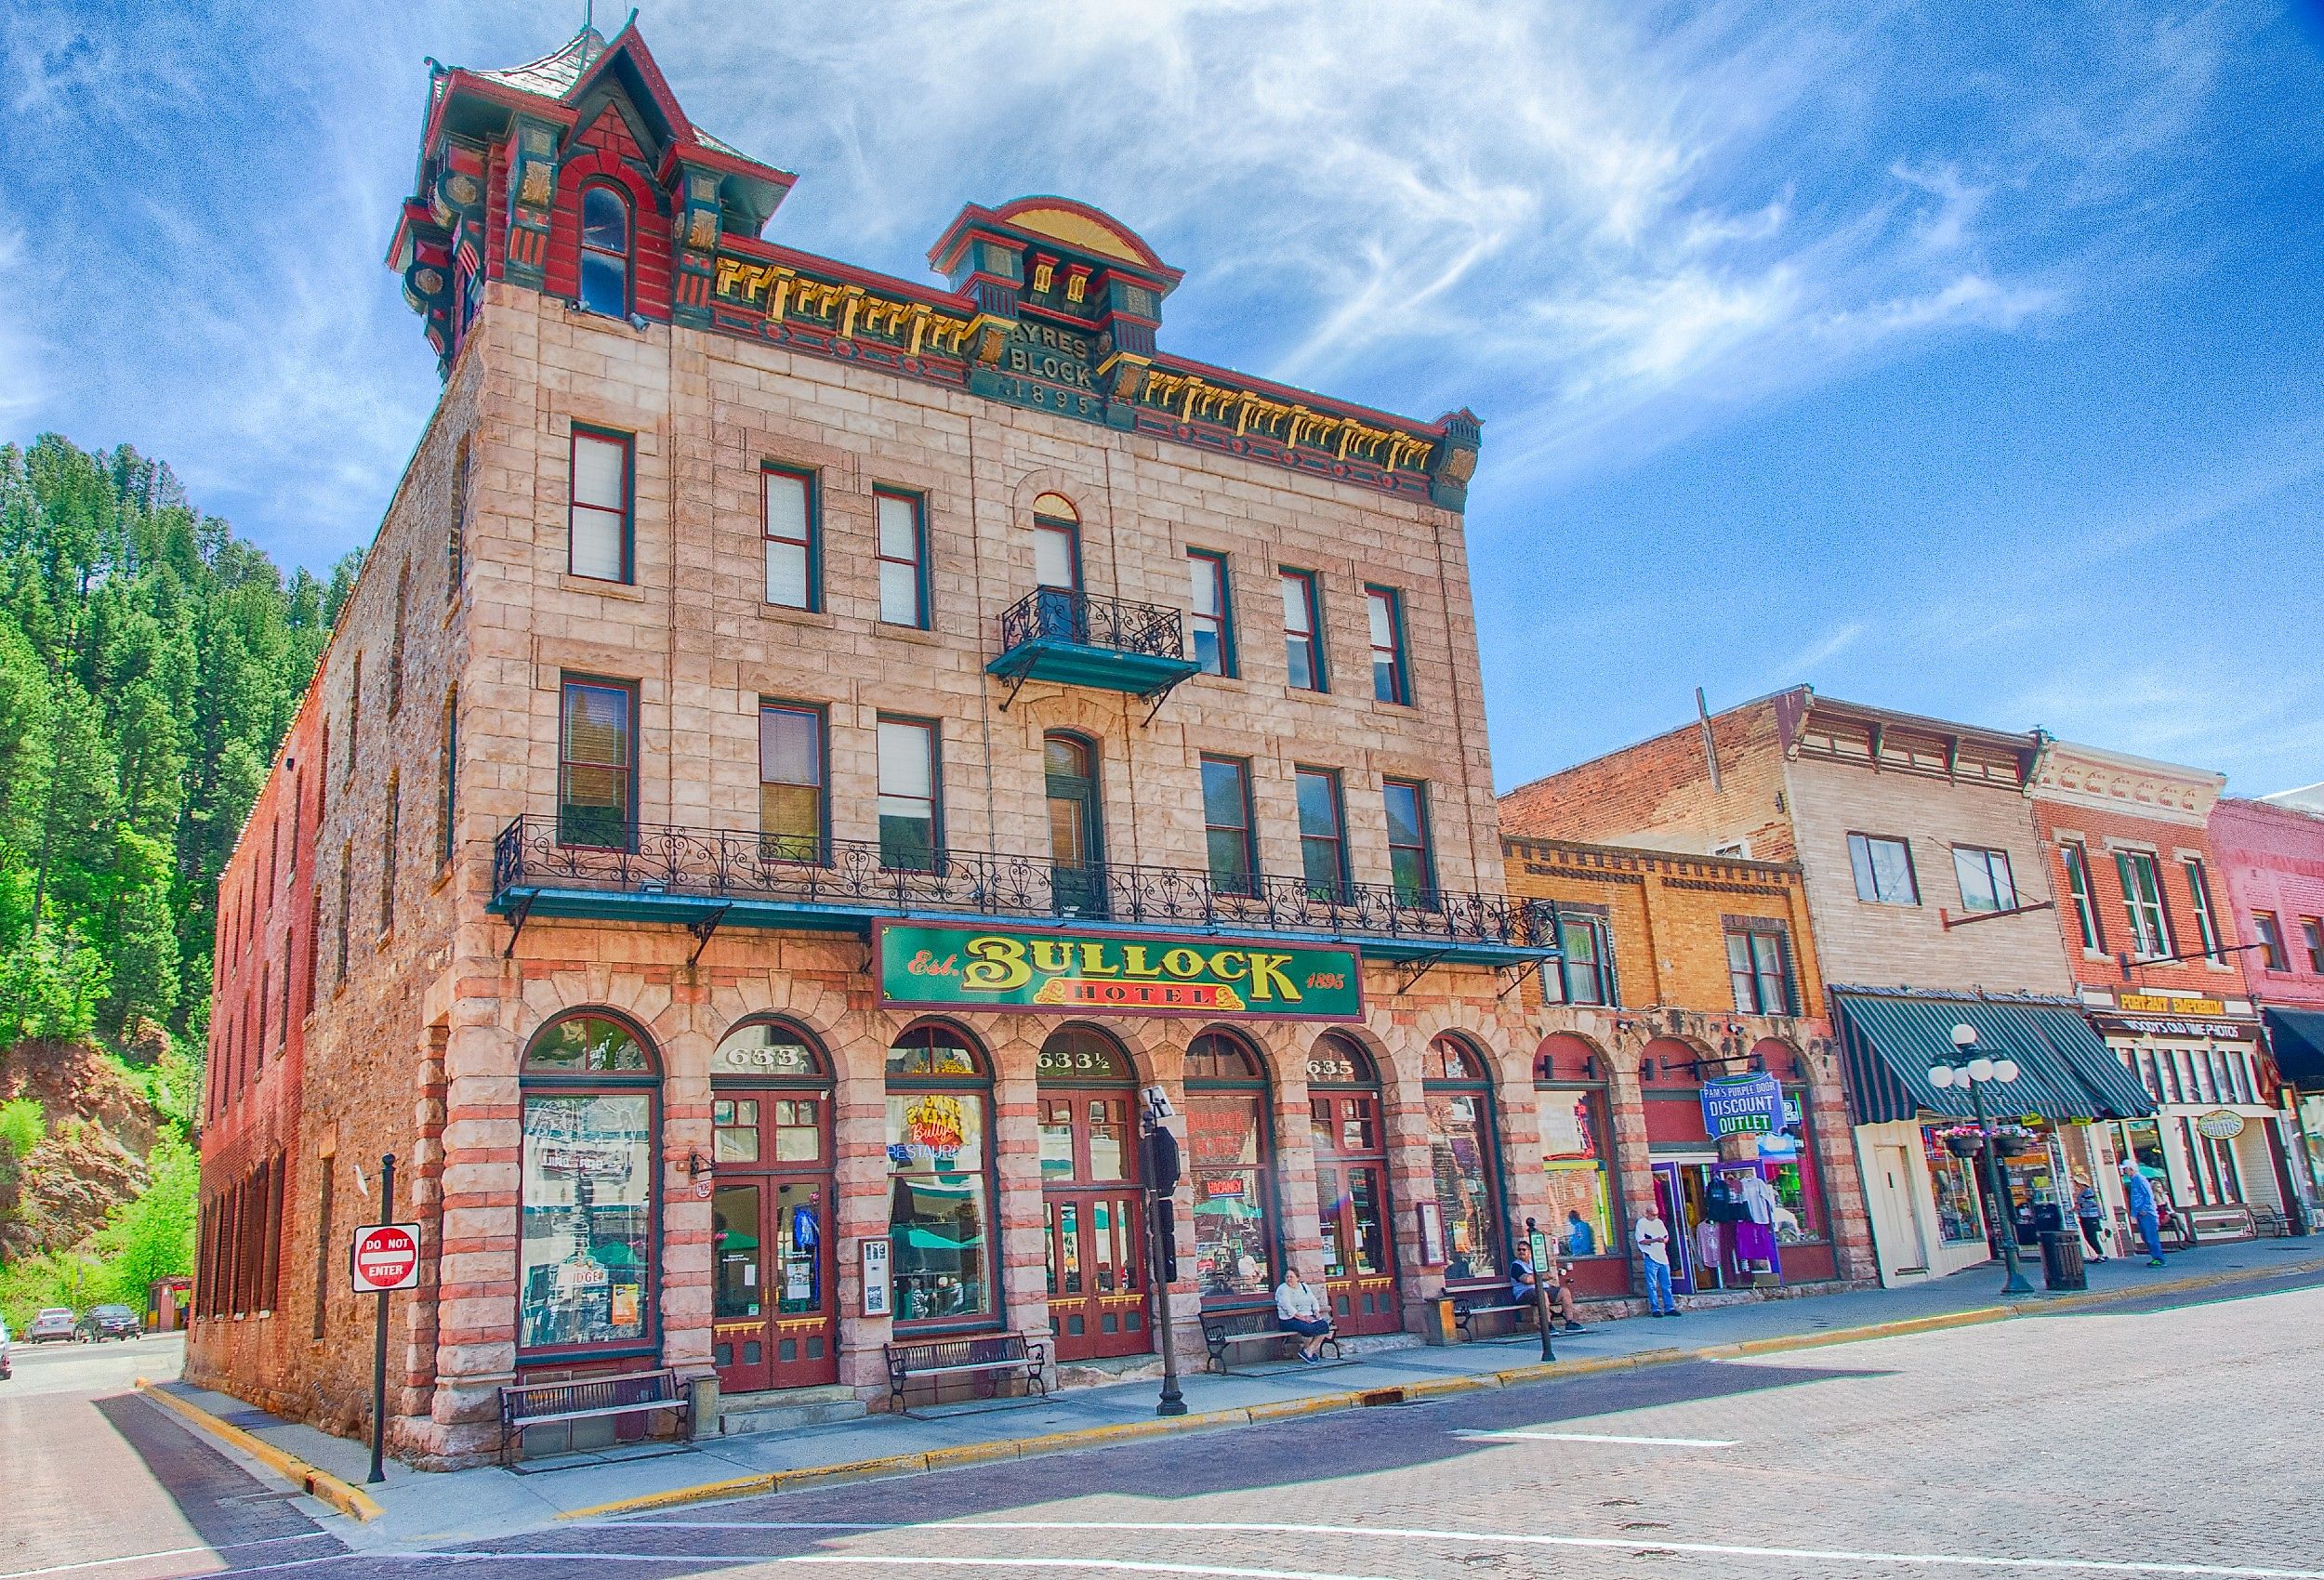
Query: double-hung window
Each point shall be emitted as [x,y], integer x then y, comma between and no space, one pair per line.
[2312,940]
[794,565]
[2205,919]
[598,527]
[1226,826]
[1383,609]
[790,783]
[2142,902]
[1302,632]
[908,805]
[1984,879]
[2078,886]
[1411,864]
[1759,973]
[597,764]
[1322,840]
[1883,870]
[2271,941]
[1584,974]
[1209,616]
[604,252]
[902,559]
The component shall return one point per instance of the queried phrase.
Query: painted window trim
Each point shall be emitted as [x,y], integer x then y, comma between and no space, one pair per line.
[811,483]
[1218,561]
[923,587]
[629,444]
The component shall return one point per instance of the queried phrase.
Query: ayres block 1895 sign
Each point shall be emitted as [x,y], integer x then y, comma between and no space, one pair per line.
[952,966]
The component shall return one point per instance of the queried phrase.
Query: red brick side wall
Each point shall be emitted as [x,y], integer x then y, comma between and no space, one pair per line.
[2101,833]
[2273,859]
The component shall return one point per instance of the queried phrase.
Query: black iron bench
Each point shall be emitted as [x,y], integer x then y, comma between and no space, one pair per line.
[587,1399]
[1467,1309]
[1222,1331]
[988,1356]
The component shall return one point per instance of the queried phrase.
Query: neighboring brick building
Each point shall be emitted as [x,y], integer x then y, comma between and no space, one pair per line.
[1680,970]
[2271,854]
[2151,943]
[1924,882]
[811,755]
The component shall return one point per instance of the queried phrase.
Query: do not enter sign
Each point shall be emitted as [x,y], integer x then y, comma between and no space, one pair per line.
[385,1256]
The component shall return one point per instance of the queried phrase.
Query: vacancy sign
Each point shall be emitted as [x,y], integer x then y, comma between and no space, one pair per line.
[385,1256]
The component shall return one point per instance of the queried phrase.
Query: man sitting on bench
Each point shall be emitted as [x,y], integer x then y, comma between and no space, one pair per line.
[1297,1310]
[1561,1298]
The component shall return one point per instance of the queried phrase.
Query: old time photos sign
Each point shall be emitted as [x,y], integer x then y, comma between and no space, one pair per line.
[955,966]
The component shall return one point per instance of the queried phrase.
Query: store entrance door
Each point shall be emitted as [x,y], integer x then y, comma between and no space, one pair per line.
[1097,1266]
[774,1317]
[1352,1189]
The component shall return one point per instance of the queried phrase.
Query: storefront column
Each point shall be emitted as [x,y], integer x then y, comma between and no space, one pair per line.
[1015,1048]
[1297,1215]
[859,1103]
[686,1227]
[1847,1210]
[1411,1172]
[476,1288]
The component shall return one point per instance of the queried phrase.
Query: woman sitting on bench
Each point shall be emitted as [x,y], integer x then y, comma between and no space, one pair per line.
[1297,1310]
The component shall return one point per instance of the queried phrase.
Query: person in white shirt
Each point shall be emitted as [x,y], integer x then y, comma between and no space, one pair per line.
[1297,1310]
[1652,1239]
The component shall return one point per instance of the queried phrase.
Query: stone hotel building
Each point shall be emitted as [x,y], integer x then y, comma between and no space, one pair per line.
[811,758]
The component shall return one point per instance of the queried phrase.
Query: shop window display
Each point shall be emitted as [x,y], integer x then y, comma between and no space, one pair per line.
[586,1236]
[1463,1158]
[1227,1167]
[1574,1145]
[940,1182]
[1959,1218]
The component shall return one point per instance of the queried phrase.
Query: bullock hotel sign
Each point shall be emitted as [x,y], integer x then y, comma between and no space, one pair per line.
[950,966]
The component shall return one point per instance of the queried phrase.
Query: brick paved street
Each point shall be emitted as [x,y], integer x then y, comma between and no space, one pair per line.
[2171,1440]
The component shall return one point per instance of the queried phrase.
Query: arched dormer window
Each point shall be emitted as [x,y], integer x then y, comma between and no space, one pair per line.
[605,251]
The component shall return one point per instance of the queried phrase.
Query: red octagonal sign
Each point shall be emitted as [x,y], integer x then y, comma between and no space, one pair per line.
[385,1256]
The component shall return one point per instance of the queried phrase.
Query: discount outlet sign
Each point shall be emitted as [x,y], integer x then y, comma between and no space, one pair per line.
[385,1256]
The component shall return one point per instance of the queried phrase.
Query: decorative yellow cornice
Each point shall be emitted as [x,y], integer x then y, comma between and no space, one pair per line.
[1195,399]
[848,310]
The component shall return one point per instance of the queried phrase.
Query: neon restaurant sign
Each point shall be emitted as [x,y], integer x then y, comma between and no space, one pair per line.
[951,966]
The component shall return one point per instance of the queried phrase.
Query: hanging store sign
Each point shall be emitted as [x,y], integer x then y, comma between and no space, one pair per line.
[954,966]
[2150,1026]
[2167,1004]
[2219,1124]
[1742,1105]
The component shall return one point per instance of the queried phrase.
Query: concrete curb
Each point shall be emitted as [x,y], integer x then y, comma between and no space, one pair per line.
[351,1501]
[1439,1388]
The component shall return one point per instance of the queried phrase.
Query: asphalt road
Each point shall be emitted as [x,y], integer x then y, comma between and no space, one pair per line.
[2174,1440]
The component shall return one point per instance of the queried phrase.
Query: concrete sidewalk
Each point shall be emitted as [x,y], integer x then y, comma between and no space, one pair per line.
[417,1509]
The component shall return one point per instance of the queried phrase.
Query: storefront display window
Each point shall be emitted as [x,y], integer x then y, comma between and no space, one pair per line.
[940,1183]
[1576,1145]
[1463,1159]
[585,1257]
[1959,1218]
[1228,1166]
[1795,1195]
[2312,1132]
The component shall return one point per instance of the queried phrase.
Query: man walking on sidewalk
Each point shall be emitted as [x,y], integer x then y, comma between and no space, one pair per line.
[2139,1196]
[1652,1239]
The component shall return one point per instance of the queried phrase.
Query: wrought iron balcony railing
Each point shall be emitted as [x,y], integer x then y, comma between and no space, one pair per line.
[1076,638]
[853,877]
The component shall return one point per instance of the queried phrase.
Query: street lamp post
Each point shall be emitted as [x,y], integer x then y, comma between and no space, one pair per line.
[1973,1069]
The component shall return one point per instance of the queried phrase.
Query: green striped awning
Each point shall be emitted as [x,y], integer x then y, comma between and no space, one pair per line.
[1888,1040]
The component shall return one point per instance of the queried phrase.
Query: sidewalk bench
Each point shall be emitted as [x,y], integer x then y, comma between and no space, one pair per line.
[2218,1223]
[985,1355]
[2269,1224]
[1467,1310]
[548,1403]
[1222,1331]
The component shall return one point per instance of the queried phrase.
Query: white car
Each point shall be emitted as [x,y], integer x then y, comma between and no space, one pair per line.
[7,1370]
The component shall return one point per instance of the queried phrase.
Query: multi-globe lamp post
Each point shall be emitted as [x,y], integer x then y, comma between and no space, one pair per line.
[1973,1069]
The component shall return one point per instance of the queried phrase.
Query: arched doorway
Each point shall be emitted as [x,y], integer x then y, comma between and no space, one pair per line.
[775,1312]
[1097,1275]
[1464,1160]
[1076,826]
[1230,1167]
[1352,1207]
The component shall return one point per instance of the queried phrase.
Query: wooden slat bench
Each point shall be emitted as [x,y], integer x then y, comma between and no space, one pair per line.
[1466,1308]
[988,1356]
[587,1399]
[2227,1223]
[1222,1331]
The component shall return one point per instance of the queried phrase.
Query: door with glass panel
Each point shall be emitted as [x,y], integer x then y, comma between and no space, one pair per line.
[1097,1281]
[774,1317]
[1077,836]
[1351,1189]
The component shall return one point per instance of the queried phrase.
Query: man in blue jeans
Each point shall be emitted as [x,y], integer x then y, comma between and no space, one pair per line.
[1652,1239]
[2139,1196]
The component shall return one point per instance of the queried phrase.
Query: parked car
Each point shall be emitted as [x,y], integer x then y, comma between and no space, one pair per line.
[7,1371]
[111,1321]
[52,1323]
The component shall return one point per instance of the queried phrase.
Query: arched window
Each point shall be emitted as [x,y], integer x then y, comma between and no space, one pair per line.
[1056,544]
[1352,1207]
[775,1317]
[1464,1158]
[586,1277]
[1230,1167]
[605,251]
[1569,1093]
[940,1229]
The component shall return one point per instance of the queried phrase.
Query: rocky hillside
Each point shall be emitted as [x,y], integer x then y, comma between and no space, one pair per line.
[100,1126]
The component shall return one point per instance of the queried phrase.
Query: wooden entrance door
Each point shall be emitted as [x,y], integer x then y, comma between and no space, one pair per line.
[1097,1267]
[1352,1211]
[774,1314]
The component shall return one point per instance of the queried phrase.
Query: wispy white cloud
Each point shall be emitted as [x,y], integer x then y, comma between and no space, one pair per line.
[22,378]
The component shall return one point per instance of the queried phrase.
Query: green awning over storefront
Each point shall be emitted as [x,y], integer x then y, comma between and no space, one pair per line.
[2064,1071]
[2296,1038]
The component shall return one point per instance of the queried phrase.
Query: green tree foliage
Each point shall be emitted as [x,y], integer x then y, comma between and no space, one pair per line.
[150,662]
[21,1127]
[152,1235]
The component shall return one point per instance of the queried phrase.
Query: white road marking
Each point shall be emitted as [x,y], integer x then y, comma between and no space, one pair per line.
[581,1557]
[1600,1437]
[165,1552]
[1532,1538]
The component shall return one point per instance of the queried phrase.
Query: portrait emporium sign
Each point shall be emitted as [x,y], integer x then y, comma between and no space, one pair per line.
[958,965]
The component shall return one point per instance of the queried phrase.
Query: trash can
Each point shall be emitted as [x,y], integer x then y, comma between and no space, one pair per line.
[2062,1261]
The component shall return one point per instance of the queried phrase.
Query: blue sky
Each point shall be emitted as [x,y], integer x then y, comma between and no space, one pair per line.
[1954,357]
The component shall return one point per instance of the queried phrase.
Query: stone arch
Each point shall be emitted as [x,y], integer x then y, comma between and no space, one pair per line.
[1500,1046]
[1561,1057]
[1781,1058]
[1668,1052]
[648,1004]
